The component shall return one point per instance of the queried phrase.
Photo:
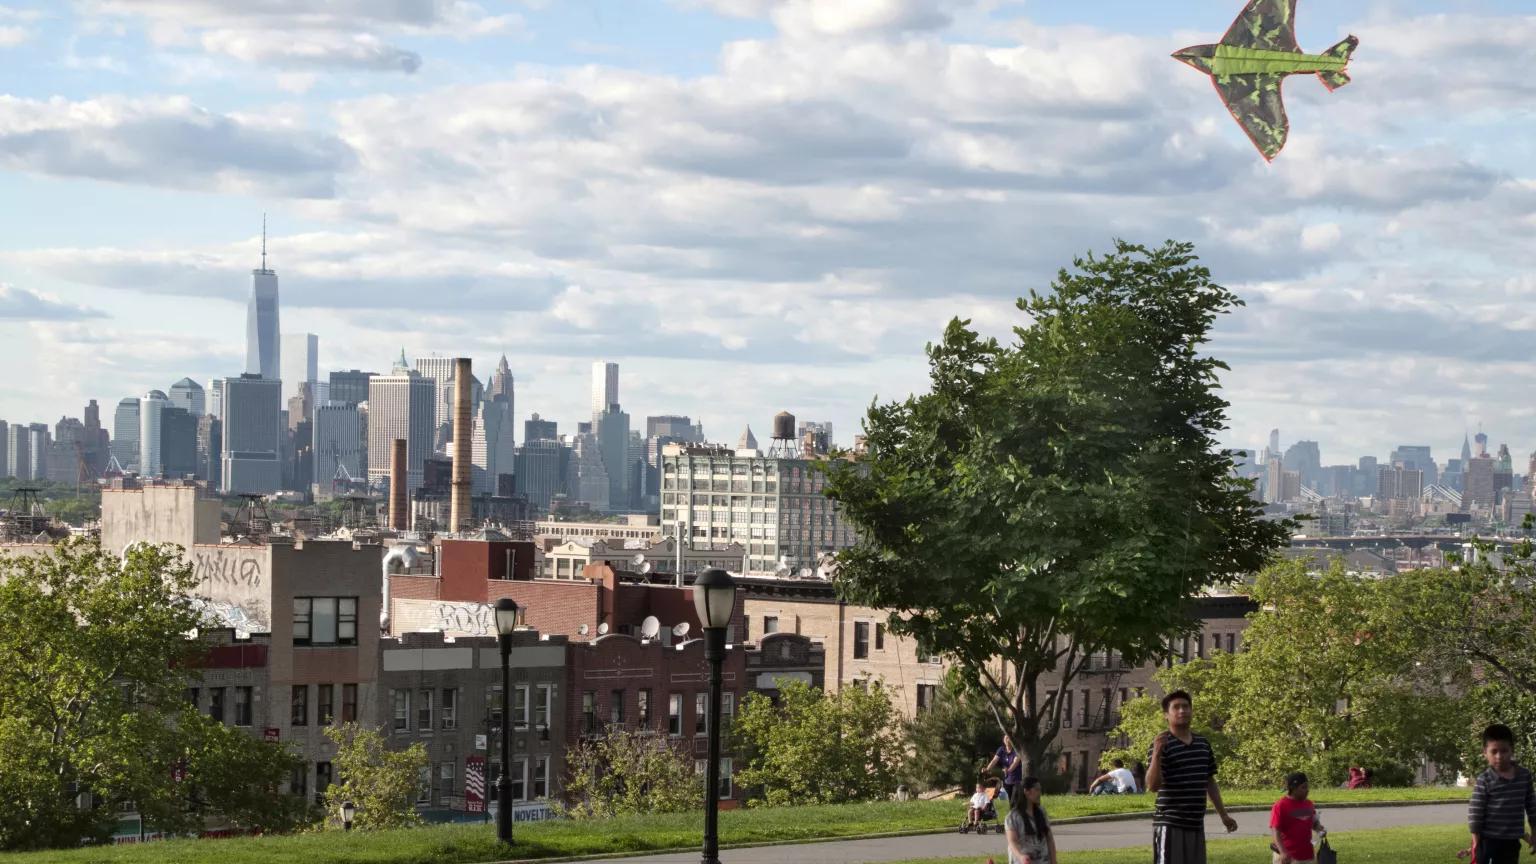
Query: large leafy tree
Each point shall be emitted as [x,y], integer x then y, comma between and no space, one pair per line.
[811,747]
[948,743]
[628,773]
[94,653]
[381,783]
[1059,496]
[1330,676]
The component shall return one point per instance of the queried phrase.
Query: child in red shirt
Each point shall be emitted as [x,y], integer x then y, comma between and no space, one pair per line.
[1293,819]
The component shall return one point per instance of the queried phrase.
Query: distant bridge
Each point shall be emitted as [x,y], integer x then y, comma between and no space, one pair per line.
[1445,542]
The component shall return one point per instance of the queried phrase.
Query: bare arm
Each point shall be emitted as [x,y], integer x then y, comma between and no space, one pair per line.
[1013,844]
[1280,844]
[1050,840]
[1214,792]
[1155,765]
[1097,780]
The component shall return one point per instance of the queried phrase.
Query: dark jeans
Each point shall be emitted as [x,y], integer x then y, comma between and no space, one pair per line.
[1013,790]
[1494,851]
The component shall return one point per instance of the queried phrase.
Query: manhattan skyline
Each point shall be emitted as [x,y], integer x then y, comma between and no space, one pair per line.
[755,205]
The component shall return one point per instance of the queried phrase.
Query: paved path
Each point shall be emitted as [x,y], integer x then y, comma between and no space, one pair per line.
[1100,835]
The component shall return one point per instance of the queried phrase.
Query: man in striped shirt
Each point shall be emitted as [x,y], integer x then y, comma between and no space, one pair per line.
[1502,801]
[1182,771]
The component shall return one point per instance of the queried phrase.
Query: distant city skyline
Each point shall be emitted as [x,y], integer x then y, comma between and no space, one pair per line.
[757,206]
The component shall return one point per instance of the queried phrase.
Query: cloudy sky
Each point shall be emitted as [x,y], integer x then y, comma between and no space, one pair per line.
[754,205]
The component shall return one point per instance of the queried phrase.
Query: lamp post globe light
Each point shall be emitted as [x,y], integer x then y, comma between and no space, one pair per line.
[506,622]
[348,811]
[714,599]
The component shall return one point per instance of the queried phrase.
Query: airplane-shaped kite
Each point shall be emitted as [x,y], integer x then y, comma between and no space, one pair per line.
[1252,61]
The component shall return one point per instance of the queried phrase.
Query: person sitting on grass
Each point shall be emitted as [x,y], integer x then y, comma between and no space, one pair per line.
[1293,819]
[1502,802]
[1117,781]
[1028,829]
[979,803]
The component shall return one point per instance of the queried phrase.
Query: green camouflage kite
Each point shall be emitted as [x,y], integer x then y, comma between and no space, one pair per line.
[1252,61]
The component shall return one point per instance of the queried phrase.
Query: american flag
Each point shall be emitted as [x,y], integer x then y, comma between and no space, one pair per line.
[474,784]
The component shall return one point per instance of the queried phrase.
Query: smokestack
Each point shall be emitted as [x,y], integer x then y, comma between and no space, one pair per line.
[459,511]
[399,496]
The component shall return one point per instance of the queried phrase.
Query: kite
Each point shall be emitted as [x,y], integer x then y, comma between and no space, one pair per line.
[1252,61]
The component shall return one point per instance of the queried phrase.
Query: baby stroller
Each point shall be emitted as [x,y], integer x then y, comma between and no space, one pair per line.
[987,819]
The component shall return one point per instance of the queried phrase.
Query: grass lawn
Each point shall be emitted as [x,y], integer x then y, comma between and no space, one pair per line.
[461,844]
[1390,846]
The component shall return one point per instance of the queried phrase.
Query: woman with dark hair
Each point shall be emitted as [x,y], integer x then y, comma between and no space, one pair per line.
[1029,830]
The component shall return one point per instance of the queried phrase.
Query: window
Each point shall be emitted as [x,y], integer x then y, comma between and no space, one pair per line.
[298,780]
[424,785]
[299,715]
[445,776]
[1083,708]
[1066,764]
[1200,645]
[448,713]
[322,780]
[541,706]
[1082,771]
[424,711]
[325,620]
[519,780]
[493,705]
[770,624]
[541,777]
[879,637]
[926,694]
[349,703]
[643,709]
[589,711]
[1231,643]
[675,714]
[327,706]
[519,706]
[700,714]
[402,710]
[190,694]
[860,640]
[1066,712]
[725,777]
[216,703]
[616,707]
[242,706]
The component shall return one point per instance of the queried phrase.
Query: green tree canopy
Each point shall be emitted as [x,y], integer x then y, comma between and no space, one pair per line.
[626,773]
[94,653]
[381,783]
[814,748]
[1059,496]
[948,743]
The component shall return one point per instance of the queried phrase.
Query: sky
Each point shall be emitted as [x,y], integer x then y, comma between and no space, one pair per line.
[760,205]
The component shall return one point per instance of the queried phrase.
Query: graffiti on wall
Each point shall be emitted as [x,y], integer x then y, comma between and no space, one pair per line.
[234,587]
[450,618]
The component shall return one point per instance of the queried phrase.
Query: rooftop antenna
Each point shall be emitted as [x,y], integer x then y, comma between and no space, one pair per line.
[263,241]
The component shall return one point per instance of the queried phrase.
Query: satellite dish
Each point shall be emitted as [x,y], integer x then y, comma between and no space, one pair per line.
[680,630]
[805,572]
[782,571]
[646,568]
[582,630]
[638,560]
[602,629]
[650,627]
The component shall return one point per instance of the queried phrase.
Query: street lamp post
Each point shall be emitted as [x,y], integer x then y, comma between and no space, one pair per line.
[506,622]
[714,599]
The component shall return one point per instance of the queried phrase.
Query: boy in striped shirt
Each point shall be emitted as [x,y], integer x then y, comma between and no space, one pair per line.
[1502,801]
[1182,771]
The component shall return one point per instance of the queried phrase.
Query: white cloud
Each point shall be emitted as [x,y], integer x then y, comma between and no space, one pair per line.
[10,37]
[19,304]
[843,17]
[165,142]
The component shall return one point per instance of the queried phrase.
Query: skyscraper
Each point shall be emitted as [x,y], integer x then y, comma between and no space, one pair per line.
[821,434]
[188,395]
[5,446]
[301,362]
[210,447]
[251,428]
[349,387]
[262,346]
[338,437]
[94,443]
[216,397]
[605,387]
[150,409]
[439,370]
[539,429]
[178,442]
[125,435]
[401,404]
[18,453]
[493,448]
[1417,456]
[612,432]
[543,465]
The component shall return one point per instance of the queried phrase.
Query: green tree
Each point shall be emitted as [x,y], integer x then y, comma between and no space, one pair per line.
[1142,718]
[1060,496]
[814,748]
[93,653]
[949,743]
[381,783]
[1329,677]
[627,773]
